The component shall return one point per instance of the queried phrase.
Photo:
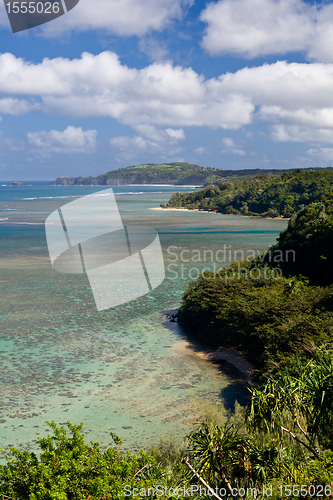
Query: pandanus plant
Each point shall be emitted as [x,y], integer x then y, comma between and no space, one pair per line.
[219,453]
[302,405]
[226,458]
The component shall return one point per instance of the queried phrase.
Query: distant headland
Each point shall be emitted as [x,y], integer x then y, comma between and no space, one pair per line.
[19,184]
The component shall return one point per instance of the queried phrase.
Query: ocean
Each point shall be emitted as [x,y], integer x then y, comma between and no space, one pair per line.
[127,369]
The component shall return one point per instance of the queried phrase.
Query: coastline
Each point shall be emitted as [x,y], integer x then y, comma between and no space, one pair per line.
[218,213]
[192,186]
[231,356]
[197,350]
[164,185]
[188,210]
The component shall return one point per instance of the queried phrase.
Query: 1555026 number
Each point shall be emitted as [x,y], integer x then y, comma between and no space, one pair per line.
[305,490]
[33,8]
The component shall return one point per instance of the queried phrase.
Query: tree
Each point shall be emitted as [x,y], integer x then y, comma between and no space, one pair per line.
[70,469]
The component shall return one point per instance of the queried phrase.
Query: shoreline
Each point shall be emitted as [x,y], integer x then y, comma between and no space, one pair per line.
[218,213]
[191,186]
[197,350]
[164,185]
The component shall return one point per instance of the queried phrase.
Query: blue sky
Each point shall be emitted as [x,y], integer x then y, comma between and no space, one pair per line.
[229,84]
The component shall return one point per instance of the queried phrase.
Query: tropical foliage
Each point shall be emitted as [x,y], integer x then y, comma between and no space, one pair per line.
[69,468]
[269,196]
[304,401]
[271,320]
[181,173]
[310,236]
[284,325]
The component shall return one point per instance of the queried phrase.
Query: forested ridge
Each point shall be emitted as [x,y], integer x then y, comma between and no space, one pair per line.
[268,196]
[181,173]
[178,173]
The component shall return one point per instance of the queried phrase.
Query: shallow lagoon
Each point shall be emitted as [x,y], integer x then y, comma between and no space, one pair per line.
[125,369]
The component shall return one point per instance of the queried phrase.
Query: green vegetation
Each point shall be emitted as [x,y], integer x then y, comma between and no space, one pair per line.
[262,195]
[271,307]
[167,173]
[310,236]
[284,325]
[69,468]
[284,437]
[282,441]
[272,320]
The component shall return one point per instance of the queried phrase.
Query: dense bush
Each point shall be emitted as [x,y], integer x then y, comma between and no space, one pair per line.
[69,468]
[270,319]
[271,315]
[281,195]
[310,236]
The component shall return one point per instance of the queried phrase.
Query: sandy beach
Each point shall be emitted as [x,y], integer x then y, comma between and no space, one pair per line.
[185,210]
[166,185]
[219,213]
[231,356]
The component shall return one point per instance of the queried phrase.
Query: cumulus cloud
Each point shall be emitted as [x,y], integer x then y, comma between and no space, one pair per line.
[71,140]
[294,133]
[11,106]
[125,17]
[321,154]
[148,139]
[255,28]
[158,101]
[178,135]
[230,147]
[200,151]
[160,94]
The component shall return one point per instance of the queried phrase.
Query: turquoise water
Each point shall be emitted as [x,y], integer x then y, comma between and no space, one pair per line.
[126,369]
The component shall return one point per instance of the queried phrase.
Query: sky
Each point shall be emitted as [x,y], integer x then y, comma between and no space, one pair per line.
[228,84]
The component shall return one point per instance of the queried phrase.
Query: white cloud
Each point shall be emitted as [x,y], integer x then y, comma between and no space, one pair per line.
[71,140]
[321,154]
[295,133]
[312,117]
[160,94]
[149,139]
[159,100]
[260,27]
[175,134]
[227,141]
[11,106]
[231,147]
[200,151]
[125,17]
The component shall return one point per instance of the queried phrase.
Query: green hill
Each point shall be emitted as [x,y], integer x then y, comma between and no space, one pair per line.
[309,236]
[269,196]
[167,173]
